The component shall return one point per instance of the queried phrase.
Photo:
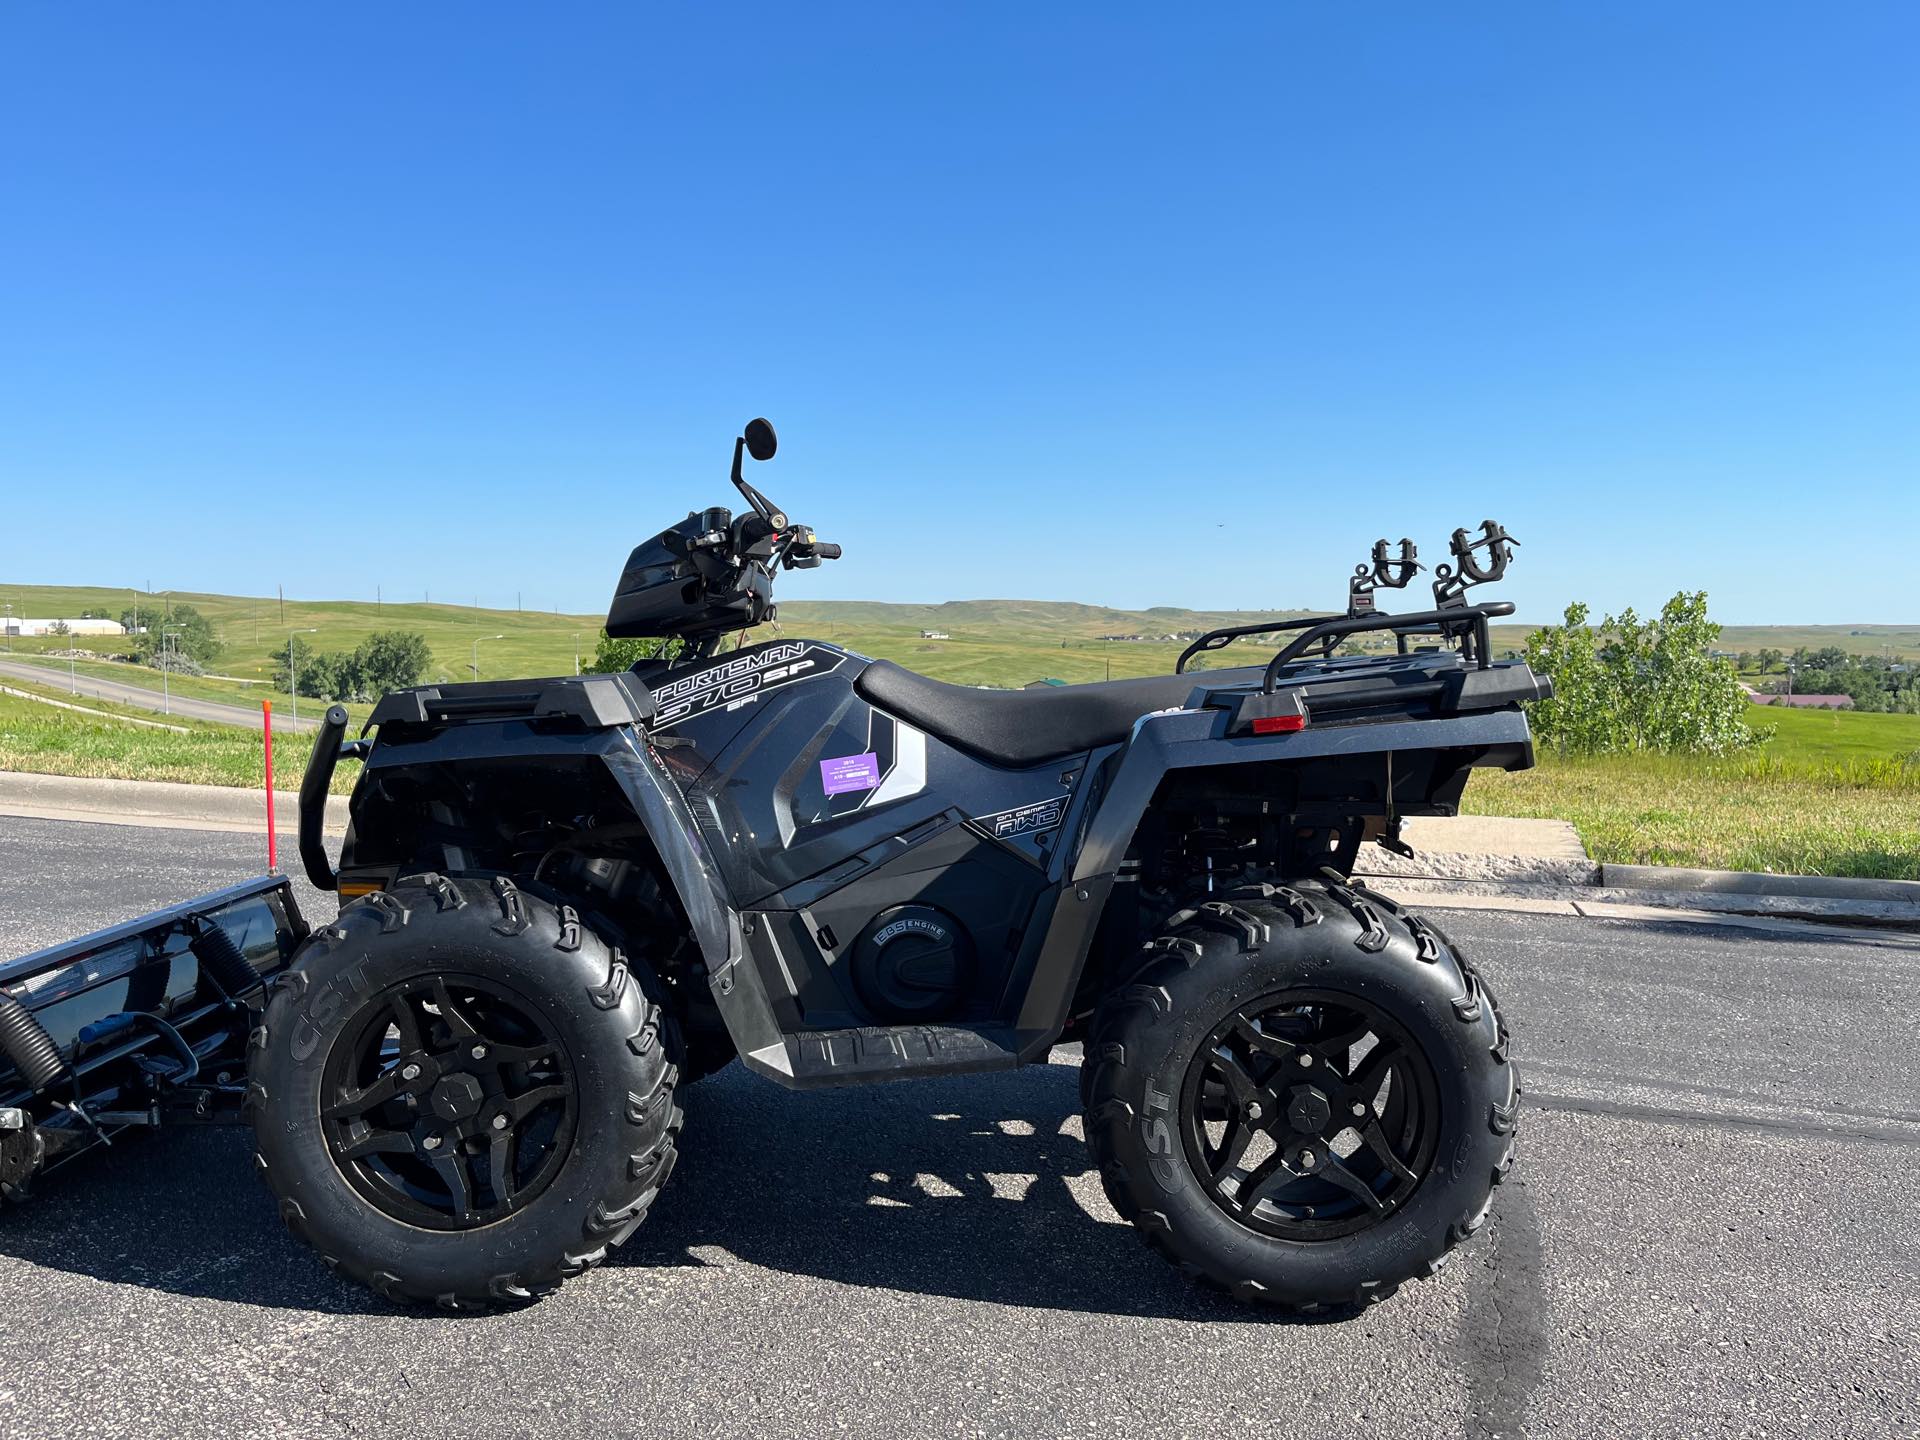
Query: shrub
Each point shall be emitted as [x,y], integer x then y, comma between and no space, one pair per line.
[611,656]
[1639,685]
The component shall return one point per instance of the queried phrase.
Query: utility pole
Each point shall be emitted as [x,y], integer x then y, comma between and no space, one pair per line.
[283,604]
[293,673]
[166,670]
[576,652]
[476,651]
[8,626]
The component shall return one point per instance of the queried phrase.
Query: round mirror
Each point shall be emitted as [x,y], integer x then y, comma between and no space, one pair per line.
[761,441]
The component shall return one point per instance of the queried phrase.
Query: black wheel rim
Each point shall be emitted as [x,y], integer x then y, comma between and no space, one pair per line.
[448,1103]
[1309,1114]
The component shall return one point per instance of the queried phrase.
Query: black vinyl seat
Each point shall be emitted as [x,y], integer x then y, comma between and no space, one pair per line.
[1013,728]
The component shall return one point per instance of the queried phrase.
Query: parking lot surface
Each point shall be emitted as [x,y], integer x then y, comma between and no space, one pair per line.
[1712,1230]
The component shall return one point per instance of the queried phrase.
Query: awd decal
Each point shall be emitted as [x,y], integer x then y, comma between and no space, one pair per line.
[741,680]
[1025,820]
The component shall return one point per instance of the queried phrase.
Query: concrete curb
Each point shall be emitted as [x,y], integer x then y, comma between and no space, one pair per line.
[1601,902]
[1743,882]
[1541,863]
[156,804]
[1519,900]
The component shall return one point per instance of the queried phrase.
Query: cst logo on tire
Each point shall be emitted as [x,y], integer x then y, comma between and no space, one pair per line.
[1157,1134]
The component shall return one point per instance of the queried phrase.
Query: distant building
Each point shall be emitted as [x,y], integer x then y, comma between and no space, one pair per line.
[1807,702]
[935,635]
[27,625]
[1045,682]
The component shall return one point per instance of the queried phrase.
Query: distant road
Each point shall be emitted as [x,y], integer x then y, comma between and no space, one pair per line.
[122,693]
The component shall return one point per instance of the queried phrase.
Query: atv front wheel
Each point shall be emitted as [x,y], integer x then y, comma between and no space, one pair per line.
[461,1094]
[1303,1097]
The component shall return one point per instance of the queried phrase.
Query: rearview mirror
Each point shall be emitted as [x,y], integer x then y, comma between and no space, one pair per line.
[761,441]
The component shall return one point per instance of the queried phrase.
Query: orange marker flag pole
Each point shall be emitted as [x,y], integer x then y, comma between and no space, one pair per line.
[266,722]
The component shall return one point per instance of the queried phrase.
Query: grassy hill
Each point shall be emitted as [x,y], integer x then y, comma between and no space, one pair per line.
[1831,792]
[990,642]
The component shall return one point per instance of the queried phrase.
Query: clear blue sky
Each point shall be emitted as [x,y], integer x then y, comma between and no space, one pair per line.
[1094,302]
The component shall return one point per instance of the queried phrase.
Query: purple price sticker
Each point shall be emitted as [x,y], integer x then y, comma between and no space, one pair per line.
[850,772]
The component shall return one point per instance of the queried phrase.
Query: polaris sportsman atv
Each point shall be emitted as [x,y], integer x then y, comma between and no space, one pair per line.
[563,899]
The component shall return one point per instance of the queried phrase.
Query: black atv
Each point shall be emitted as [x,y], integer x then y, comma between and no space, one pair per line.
[561,900]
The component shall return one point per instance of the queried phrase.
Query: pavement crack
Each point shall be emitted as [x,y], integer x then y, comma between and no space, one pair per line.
[1704,1119]
[1503,1340]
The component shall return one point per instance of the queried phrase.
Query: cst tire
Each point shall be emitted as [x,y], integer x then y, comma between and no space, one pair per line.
[1173,1061]
[589,1055]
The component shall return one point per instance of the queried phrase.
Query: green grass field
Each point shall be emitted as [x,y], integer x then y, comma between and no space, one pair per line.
[993,642]
[47,740]
[1831,793]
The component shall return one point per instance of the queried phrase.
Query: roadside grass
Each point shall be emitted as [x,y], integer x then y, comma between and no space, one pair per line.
[1794,813]
[247,693]
[45,740]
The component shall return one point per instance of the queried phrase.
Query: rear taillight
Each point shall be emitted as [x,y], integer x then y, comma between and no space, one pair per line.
[1278,724]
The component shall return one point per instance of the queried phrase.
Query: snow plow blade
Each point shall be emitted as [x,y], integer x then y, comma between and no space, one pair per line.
[138,1025]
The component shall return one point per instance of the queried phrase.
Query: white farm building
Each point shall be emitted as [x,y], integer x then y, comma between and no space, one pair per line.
[28,625]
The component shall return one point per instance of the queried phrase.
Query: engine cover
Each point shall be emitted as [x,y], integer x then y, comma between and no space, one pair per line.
[912,962]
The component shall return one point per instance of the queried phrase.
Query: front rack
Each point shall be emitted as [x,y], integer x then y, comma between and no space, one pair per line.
[1465,623]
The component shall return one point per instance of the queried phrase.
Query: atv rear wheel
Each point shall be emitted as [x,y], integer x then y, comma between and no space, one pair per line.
[461,1094]
[1303,1097]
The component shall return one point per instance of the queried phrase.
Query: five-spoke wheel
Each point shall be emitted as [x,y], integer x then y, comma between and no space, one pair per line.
[447,1103]
[1309,1115]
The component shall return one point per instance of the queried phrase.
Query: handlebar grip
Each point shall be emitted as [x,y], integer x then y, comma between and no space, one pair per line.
[827,551]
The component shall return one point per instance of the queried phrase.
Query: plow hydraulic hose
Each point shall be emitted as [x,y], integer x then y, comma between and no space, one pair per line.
[25,1042]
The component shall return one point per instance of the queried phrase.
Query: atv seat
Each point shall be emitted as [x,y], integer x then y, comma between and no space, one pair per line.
[1013,728]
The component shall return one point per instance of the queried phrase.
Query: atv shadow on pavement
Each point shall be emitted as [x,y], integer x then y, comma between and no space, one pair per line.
[974,1188]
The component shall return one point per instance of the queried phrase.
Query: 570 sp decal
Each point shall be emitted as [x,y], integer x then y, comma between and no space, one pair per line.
[741,680]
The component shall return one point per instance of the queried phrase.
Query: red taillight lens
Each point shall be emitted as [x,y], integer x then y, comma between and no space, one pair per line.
[1278,724]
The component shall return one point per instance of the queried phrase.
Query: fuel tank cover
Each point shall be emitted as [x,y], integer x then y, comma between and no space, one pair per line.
[912,962]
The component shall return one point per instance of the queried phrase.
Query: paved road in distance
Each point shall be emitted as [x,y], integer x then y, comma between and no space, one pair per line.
[86,687]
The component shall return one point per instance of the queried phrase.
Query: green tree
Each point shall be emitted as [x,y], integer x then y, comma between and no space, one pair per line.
[391,660]
[1634,684]
[185,630]
[610,656]
[299,660]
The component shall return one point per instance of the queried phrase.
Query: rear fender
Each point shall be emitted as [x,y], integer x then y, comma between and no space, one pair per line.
[1191,740]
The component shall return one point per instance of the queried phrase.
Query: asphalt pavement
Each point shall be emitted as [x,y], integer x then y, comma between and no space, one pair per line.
[121,692]
[1712,1230]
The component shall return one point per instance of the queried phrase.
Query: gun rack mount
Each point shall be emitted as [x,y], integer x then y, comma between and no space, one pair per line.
[1452,619]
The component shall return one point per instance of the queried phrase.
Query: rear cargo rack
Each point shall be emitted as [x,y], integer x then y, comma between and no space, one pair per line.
[1464,624]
